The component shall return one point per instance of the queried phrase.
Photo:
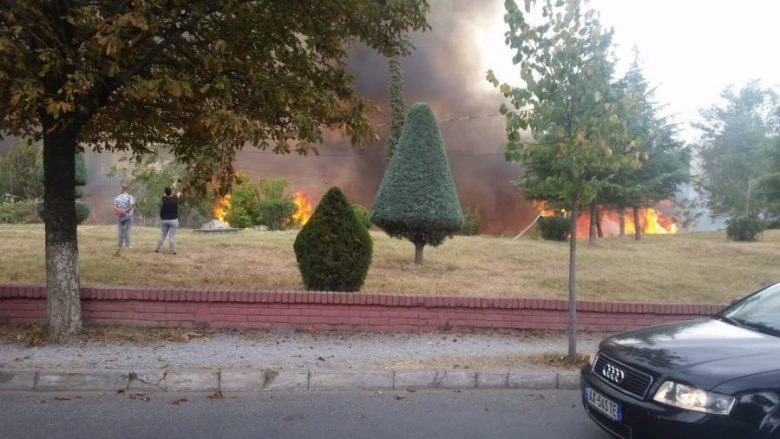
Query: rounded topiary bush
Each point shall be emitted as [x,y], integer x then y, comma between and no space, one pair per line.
[554,228]
[333,249]
[744,229]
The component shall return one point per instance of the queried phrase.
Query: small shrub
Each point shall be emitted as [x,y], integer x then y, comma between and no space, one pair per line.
[276,212]
[238,217]
[744,229]
[23,212]
[362,215]
[473,220]
[333,249]
[554,228]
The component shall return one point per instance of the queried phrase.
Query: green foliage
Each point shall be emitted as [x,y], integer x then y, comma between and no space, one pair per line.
[397,106]
[18,168]
[239,218]
[554,228]
[22,212]
[739,153]
[141,56]
[362,215]
[472,220]
[664,161]
[568,102]
[744,229]
[276,213]
[333,249]
[260,203]
[417,199]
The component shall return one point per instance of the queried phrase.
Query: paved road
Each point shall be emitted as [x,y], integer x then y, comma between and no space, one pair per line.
[322,415]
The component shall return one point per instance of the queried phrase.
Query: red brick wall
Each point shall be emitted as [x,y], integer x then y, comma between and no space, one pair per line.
[328,310]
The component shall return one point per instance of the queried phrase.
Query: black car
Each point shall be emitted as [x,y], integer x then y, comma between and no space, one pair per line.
[717,377]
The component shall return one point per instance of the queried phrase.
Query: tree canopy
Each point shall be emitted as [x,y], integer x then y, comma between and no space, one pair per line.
[417,199]
[203,76]
[738,149]
[664,160]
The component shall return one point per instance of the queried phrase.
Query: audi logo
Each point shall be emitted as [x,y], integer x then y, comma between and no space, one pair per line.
[613,373]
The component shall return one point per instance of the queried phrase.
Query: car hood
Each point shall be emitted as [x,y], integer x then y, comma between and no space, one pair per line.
[704,352]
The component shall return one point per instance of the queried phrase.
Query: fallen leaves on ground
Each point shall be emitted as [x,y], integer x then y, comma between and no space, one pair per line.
[179,401]
[399,396]
[216,395]
[140,396]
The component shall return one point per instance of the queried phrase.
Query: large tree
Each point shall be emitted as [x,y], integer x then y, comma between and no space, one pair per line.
[416,199]
[738,138]
[664,160]
[205,76]
[571,108]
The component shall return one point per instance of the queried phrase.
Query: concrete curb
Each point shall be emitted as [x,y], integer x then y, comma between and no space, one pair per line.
[265,380]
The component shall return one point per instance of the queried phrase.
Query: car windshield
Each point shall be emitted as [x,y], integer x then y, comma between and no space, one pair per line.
[760,311]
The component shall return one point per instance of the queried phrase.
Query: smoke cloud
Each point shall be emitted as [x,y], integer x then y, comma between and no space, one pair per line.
[444,71]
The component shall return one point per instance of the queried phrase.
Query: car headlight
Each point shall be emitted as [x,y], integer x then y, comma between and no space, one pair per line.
[592,358]
[691,398]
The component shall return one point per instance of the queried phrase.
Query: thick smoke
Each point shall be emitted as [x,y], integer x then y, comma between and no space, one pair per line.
[444,71]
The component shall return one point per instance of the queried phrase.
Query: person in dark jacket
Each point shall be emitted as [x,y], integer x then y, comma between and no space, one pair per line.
[169,214]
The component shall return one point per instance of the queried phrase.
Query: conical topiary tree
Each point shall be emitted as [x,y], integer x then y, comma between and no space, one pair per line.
[333,249]
[82,208]
[417,199]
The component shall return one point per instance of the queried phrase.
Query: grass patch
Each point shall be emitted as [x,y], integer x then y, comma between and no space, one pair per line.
[685,268]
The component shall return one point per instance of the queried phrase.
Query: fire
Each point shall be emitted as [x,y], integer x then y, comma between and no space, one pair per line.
[651,221]
[541,206]
[221,208]
[303,208]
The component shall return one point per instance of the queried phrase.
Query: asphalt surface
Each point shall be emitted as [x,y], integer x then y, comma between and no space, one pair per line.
[420,414]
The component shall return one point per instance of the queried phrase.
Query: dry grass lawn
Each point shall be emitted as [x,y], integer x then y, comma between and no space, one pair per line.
[685,268]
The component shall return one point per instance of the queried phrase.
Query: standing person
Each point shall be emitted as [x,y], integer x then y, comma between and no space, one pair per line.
[169,214]
[123,209]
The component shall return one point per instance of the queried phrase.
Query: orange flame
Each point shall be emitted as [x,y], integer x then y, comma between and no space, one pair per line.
[221,208]
[651,221]
[541,206]
[303,208]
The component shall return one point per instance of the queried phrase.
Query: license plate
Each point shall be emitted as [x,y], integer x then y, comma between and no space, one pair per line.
[609,408]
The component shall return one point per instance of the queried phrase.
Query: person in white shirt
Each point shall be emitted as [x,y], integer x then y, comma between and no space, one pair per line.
[123,209]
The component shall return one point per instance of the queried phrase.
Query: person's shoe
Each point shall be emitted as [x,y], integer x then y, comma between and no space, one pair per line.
[173,253]
[118,249]
[157,251]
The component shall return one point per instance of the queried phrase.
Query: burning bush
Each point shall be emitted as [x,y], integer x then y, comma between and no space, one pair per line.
[333,249]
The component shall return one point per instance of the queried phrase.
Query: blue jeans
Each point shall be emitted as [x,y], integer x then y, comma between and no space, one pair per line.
[168,227]
[123,233]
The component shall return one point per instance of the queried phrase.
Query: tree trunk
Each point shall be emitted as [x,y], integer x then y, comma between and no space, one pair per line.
[637,226]
[63,304]
[418,253]
[622,217]
[598,222]
[594,212]
[572,286]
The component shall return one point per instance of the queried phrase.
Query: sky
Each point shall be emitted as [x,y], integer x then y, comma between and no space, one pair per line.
[689,49]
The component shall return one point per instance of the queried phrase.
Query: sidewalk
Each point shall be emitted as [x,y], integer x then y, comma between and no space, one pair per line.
[181,360]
